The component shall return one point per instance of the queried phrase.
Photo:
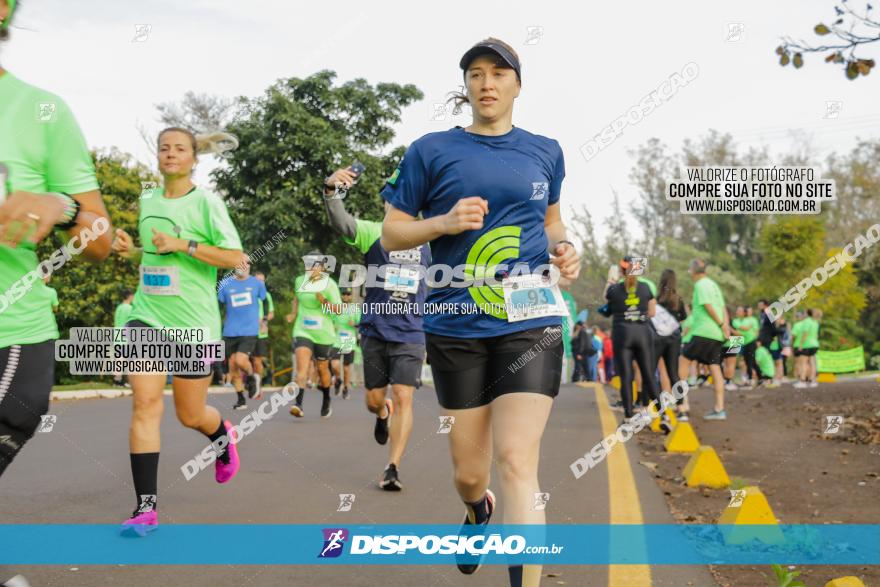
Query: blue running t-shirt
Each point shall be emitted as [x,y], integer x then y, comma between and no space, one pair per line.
[242,298]
[519,174]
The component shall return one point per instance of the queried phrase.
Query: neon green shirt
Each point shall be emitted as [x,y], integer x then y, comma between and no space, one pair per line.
[810,327]
[264,330]
[312,322]
[707,291]
[687,324]
[53,297]
[765,362]
[750,323]
[346,324]
[45,151]
[176,290]
[568,321]
[120,316]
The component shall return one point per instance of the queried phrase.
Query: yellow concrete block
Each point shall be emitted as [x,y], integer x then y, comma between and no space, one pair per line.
[682,439]
[826,378]
[615,382]
[748,517]
[849,581]
[705,469]
[655,423]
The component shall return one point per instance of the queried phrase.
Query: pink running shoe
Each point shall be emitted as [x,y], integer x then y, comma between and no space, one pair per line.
[141,524]
[223,472]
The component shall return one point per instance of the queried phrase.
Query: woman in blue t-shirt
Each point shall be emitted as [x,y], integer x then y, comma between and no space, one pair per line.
[489,198]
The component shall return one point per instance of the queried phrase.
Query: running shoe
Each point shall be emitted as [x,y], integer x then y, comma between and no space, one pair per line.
[716,415]
[683,417]
[345,393]
[470,568]
[731,386]
[617,406]
[297,410]
[326,410]
[258,386]
[240,404]
[390,479]
[813,384]
[223,472]
[800,385]
[771,385]
[336,385]
[380,431]
[140,524]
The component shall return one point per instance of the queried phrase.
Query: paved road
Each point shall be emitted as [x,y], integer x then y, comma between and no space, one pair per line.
[293,471]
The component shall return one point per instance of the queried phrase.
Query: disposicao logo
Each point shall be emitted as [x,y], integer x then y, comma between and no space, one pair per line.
[334,542]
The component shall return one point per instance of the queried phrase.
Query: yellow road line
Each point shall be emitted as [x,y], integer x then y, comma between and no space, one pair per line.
[623,498]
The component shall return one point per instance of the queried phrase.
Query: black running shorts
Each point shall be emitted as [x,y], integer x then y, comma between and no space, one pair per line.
[391,362]
[320,352]
[471,372]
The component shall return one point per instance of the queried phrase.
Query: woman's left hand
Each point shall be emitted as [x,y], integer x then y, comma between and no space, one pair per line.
[567,260]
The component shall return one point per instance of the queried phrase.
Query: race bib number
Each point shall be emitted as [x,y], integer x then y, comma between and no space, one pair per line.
[401,279]
[410,257]
[313,323]
[530,296]
[160,280]
[241,299]
[343,334]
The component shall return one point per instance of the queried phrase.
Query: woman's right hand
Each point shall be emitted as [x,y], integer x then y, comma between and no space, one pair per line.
[467,214]
[123,245]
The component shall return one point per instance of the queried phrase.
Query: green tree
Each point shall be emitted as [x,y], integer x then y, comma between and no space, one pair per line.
[291,138]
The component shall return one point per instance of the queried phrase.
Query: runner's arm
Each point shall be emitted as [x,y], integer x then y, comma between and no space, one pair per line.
[652,307]
[400,231]
[340,219]
[91,208]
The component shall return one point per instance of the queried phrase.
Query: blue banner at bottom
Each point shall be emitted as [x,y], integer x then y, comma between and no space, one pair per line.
[414,544]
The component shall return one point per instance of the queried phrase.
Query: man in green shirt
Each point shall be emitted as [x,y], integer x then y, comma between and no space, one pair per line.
[806,345]
[346,339]
[709,330]
[746,325]
[262,349]
[47,180]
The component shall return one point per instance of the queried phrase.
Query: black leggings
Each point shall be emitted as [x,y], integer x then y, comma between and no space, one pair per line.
[26,375]
[751,363]
[667,349]
[633,341]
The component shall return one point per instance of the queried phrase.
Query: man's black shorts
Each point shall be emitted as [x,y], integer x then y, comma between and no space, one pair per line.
[391,362]
[320,352]
[347,358]
[704,350]
[240,344]
[471,372]
[262,348]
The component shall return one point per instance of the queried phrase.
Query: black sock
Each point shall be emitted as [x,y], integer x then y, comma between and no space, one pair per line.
[480,509]
[145,474]
[217,435]
[326,392]
[515,572]
[240,395]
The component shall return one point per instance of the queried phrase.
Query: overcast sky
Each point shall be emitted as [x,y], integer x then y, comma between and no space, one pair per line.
[588,66]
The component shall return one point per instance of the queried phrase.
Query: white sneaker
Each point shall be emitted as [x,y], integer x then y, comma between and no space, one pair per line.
[814,384]
[800,384]
[730,386]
